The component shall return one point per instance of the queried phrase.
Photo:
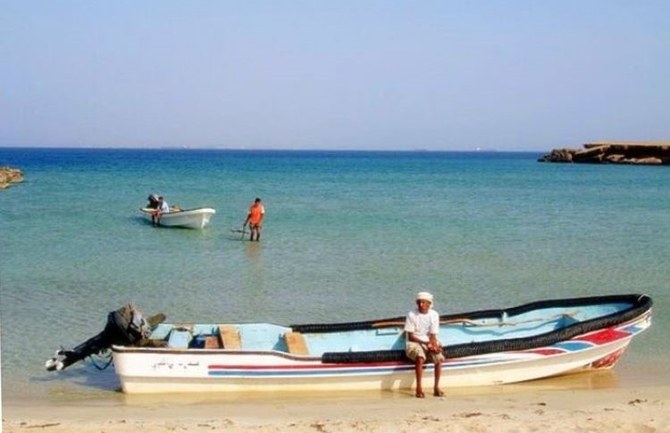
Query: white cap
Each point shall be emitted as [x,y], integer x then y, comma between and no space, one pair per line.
[424,296]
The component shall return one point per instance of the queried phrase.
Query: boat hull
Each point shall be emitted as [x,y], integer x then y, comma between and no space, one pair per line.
[166,370]
[190,218]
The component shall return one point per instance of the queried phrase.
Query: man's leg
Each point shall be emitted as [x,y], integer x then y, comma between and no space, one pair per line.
[438,373]
[418,369]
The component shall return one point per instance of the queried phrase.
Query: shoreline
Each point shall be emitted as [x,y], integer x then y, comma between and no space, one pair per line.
[564,404]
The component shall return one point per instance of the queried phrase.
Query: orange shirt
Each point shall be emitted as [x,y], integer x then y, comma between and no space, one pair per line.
[256,212]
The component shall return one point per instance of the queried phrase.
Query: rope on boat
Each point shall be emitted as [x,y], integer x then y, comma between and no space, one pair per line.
[468,322]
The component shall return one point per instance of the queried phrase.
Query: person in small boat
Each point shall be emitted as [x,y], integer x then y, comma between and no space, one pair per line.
[153,202]
[422,345]
[255,220]
[162,208]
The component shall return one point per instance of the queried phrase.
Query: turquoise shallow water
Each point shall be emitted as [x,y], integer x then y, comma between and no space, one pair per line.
[348,236]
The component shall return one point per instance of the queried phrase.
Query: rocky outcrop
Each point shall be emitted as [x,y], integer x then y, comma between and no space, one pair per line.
[9,176]
[613,153]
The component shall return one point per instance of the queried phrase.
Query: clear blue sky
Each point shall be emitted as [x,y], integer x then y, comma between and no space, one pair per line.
[337,74]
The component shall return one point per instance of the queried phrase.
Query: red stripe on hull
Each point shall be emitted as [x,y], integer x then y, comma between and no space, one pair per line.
[603,337]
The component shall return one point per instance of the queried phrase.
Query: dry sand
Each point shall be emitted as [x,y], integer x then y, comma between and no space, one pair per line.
[503,409]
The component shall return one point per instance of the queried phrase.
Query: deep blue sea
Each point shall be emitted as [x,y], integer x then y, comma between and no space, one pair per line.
[347,236]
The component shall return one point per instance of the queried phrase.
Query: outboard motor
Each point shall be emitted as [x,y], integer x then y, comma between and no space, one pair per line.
[126,326]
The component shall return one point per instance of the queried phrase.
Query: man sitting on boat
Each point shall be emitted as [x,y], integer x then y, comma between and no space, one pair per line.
[422,327]
[162,208]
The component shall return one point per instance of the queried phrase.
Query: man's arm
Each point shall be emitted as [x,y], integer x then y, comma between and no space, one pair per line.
[434,344]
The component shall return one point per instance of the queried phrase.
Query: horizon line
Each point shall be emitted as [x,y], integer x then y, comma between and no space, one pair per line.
[242,149]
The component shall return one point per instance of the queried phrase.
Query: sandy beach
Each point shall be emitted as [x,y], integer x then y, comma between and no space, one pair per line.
[502,409]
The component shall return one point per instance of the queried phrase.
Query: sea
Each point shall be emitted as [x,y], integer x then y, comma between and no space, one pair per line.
[348,236]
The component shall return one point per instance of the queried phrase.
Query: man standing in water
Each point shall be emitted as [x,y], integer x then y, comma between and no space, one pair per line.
[422,327]
[255,219]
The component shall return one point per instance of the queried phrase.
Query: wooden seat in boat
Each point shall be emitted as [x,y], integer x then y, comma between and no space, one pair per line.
[296,344]
[230,337]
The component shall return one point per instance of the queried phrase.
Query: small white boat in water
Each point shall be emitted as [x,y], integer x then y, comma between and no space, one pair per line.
[490,347]
[196,218]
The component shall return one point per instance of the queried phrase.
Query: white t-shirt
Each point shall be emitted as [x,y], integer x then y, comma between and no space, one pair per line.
[421,325]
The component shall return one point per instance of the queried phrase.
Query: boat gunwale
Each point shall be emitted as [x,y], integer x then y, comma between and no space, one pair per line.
[209,210]
[640,309]
[638,300]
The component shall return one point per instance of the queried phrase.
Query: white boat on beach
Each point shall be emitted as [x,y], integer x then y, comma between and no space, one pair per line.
[196,218]
[490,347]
